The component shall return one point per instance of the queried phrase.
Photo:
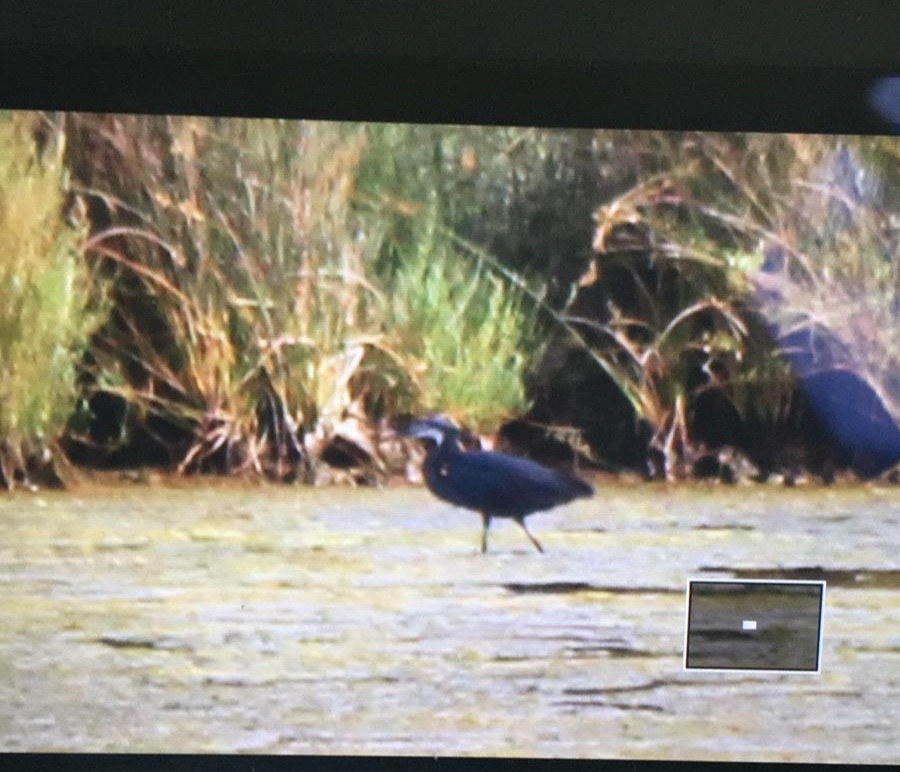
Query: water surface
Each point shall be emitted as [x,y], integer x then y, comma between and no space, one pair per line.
[295,620]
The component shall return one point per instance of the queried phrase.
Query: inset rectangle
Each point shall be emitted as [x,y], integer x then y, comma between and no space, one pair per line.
[754,625]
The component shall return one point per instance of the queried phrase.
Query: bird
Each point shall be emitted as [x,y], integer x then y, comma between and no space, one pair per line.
[496,485]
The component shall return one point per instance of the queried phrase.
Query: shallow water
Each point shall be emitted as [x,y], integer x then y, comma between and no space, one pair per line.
[297,620]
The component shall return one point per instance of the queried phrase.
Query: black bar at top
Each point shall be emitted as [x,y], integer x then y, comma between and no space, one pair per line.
[798,33]
[441,90]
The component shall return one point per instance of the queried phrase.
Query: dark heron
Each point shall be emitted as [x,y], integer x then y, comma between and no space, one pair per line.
[493,484]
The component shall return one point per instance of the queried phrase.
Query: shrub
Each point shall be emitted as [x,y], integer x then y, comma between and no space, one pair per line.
[47,310]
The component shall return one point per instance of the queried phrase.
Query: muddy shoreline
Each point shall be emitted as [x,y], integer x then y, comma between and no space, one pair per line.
[288,619]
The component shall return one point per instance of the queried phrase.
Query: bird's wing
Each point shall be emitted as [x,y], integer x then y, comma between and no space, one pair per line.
[507,485]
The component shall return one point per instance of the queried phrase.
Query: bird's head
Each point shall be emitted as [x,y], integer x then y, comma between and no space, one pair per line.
[434,428]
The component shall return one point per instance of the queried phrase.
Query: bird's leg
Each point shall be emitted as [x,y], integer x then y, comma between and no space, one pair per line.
[486,524]
[534,541]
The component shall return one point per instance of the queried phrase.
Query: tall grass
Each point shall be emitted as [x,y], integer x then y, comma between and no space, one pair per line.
[242,303]
[776,236]
[481,238]
[280,284]
[813,221]
[255,311]
[46,292]
[465,334]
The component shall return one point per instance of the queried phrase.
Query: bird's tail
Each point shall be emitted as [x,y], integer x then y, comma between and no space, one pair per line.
[579,488]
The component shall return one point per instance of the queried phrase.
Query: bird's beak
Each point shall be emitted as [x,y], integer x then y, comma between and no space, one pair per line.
[422,430]
[414,429]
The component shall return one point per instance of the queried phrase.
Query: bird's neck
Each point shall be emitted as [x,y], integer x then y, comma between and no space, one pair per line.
[445,450]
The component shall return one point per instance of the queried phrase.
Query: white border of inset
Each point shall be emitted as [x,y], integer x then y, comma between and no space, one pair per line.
[707,580]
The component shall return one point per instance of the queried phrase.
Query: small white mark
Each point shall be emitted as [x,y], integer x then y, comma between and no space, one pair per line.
[748,624]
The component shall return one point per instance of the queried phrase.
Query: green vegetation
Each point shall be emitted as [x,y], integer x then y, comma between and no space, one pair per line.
[248,293]
[757,239]
[257,313]
[243,305]
[465,333]
[49,302]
